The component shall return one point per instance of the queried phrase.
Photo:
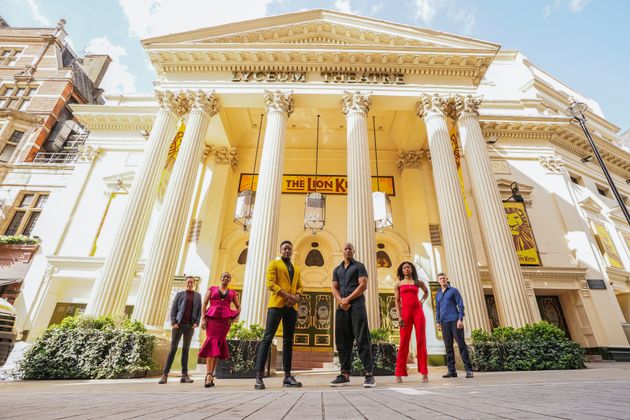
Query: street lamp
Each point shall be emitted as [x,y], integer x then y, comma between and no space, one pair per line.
[576,111]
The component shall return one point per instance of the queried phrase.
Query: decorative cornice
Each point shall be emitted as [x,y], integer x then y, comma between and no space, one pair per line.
[207,103]
[410,159]
[224,155]
[88,153]
[430,105]
[280,101]
[356,101]
[553,164]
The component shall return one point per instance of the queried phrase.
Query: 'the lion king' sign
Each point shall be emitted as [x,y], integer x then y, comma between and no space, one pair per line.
[522,234]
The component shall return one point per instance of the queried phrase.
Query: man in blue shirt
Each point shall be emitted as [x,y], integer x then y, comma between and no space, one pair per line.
[449,313]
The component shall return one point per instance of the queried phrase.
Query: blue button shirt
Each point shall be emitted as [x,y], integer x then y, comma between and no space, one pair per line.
[449,305]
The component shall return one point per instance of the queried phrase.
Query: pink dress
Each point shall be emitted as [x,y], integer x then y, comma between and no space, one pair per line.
[218,318]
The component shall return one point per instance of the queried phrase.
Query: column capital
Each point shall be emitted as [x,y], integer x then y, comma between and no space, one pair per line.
[277,100]
[177,103]
[224,155]
[466,106]
[205,102]
[356,101]
[435,104]
[410,159]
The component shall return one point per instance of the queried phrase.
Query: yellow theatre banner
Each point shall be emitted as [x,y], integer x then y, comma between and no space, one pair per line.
[607,246]
[326,184]
[522,233]
[626,238]
[170,160]
[458,162]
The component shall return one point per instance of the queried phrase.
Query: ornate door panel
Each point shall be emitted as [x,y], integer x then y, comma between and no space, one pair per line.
[551,311]
[315,320]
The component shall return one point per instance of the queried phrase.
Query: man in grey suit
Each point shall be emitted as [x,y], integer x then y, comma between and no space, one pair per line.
[185,316]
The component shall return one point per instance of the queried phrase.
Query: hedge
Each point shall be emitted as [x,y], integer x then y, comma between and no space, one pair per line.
[83,347]
[540,346]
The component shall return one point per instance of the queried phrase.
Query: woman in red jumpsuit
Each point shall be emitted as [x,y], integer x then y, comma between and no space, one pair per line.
[411,315]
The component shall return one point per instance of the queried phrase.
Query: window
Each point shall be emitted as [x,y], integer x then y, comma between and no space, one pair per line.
[26,211]
[314,258]
[8,55]
[16,97]
[11,145]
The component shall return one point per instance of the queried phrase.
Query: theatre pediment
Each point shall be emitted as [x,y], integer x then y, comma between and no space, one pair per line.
[321,39]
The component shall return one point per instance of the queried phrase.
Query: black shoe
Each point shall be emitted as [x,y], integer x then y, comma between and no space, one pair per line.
[369,382]
[340,381]
[259,383]
[291,382]
[209,383]
[450,375]
[469,374]
[185,379]
[163,379]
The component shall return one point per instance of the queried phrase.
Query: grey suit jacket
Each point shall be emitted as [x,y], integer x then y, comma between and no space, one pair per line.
[179,304]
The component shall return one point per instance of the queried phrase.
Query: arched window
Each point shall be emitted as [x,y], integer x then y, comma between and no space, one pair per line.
[242,258]
[382,259]
[314,258]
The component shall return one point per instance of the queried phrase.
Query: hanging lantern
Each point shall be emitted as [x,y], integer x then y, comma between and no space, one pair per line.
[380,200]
[382,210]
[244,211]
[315,206]
[315,212]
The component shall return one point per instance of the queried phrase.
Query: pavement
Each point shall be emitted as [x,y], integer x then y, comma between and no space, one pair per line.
[600,392]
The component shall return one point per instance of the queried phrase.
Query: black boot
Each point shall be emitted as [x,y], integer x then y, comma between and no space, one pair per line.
[259,382]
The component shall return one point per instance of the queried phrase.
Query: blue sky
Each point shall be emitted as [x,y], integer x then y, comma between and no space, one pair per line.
[584,43]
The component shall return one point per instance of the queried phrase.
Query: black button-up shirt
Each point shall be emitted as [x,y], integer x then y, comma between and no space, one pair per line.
[348,279]
[290,269]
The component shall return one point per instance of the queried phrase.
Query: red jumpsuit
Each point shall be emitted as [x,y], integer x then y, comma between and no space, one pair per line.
[413,316]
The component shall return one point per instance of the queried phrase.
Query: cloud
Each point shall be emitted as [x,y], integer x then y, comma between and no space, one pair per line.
[426,10]
[574,6]
[344,6]
[454,10]
[577,5]
[37,15]
[118,79]
[149,18]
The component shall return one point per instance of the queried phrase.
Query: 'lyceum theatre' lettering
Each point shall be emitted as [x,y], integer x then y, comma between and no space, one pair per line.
[328,77]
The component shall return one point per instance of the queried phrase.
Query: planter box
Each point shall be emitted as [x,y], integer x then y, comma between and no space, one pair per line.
[383,359]
[242,360]
[16,253]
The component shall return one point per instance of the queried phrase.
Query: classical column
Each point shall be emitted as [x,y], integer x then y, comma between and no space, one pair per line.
[157,281]
[264,230]
[360,207]
[461,260]
[111,289]
[509,287]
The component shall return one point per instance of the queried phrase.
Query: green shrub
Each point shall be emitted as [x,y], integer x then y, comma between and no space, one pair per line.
[83,347]
[540,346]
[17,240]
[380,335]
[238,331]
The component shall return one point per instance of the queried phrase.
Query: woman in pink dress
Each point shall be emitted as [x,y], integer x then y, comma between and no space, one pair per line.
[216,321]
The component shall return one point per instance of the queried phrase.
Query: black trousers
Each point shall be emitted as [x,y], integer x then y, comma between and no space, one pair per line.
[288,316]
[352,325]
[450,332]
[187,331]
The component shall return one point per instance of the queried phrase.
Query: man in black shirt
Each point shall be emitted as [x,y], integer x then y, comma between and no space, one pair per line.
[349,283]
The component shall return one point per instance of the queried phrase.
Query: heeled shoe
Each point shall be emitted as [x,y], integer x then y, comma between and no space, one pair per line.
[425,378]
[398,379]
[209,384]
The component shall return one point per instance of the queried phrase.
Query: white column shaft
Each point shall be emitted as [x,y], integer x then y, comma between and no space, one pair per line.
[264,228]
[157,281]
[361,209]
[509,285]
[460,251]
[110,292]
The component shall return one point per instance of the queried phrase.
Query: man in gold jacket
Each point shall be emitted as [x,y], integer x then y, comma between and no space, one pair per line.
[285,284]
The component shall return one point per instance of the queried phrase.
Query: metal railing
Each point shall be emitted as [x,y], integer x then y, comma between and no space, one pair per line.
[58,158]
